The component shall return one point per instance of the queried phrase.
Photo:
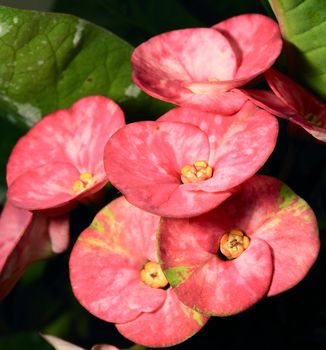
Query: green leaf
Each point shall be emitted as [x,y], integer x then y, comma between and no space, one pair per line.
[303,25]
[48,61]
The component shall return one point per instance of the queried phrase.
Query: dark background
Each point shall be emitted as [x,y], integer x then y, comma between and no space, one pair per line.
[43,302]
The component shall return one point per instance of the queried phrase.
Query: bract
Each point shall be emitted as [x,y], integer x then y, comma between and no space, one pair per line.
[199,67]
[146,160]
[282,243]
[60,160]
[291,101]
[105,271]
[25,238]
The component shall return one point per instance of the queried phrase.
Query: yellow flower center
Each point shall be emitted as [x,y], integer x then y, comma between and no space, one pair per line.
[85,181]
[197,172]
[234,243]
[153,276]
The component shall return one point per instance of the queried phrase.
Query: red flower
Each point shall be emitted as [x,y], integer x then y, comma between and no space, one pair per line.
[291,101]
[198,67]
[25,238]
[260,241]
[60,160]
[115,275]
[188,161]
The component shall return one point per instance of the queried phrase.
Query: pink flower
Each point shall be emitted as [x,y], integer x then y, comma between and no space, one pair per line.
[25,238]
[188,161]
[199,67]
[261,241]
[115,276]
[60,160]
[291,101]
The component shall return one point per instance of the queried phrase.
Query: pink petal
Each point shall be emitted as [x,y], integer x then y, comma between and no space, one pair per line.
[94,119]
[224,288]
[47,186]
[256,40]
[209,98]
[291,231]
[59,233]
[24,239]
[300,100]
[169,325]
[292,94]
[269,102]
[13,223]
[45,142]
[114,247]
[180,56]
[276,106]
[187,67]
[189,242]
[235,142]
[143,160]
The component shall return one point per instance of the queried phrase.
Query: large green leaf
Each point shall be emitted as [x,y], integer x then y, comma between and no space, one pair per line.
[303,25]
[48,61]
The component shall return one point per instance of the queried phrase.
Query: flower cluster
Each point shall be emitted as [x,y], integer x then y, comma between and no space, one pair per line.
[196,233]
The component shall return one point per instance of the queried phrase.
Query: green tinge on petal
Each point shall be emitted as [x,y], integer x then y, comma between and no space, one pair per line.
[290,201]
[97,225]
[109,214]
[178,274]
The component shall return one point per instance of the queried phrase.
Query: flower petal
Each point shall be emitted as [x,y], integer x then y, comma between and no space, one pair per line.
[24,239]
[170,324]
[235,142]
[13,223]
[292,94]
[94,119]
[59,233]
[257,42]
[291,231]
[274,105]
[115,247]
[47,186]
[187,67]
[269,102]
[188,55]
[224,288]
[45,142]
[144,161]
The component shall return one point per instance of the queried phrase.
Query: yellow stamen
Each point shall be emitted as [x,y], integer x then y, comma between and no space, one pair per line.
[85,181]
[197,172]
[234,243]
[153,276]
[86,177]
